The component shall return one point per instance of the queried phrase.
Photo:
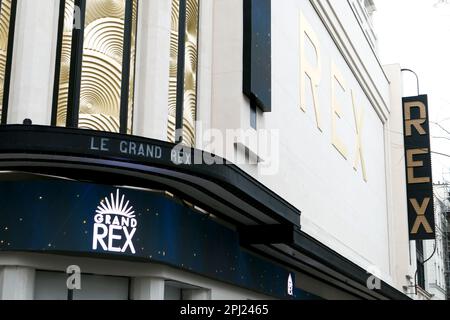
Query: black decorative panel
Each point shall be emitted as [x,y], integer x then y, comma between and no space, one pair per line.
[418,168]
[258,53]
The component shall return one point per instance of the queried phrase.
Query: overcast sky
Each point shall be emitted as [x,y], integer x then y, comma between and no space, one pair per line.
[415,34]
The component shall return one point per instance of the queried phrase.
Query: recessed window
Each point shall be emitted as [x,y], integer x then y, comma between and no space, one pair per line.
[183,71]
[94,77]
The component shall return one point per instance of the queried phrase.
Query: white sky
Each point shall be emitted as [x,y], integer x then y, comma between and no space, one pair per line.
[416,35]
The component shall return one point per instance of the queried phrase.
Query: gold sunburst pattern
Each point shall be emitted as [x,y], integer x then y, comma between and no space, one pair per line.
[101,74]
[5,18]
[190,72]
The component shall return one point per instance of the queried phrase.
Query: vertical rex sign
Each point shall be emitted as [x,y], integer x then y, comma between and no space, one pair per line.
[418,168]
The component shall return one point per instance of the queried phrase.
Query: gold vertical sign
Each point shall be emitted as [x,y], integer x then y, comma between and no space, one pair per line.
[102,61]
[5,18]
[190,71]
[418,169]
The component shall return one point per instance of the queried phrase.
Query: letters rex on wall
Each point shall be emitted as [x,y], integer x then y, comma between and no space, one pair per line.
[418,168]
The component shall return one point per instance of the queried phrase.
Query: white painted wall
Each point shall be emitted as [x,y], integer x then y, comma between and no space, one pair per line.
[338,207]
[17,282]
[404,251]
[145,274]
[435,267]
[33,65]
[146,288]
[152,69]
[357,218]
[205,62]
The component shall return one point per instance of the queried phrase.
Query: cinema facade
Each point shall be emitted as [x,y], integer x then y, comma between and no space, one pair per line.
[116,118]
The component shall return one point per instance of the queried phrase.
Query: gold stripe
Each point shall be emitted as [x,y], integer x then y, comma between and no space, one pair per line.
[5,18]
[65,64]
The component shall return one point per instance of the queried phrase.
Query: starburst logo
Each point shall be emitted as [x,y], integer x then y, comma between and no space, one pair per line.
[115,225]
[116,207]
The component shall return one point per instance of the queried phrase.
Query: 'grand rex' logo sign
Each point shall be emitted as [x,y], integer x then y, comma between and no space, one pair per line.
[114,225]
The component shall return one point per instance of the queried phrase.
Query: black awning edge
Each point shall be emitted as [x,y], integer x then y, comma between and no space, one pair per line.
[330,258]
[23,139]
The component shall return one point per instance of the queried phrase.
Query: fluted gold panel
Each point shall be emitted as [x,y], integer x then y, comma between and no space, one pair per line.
[190,74]
[101,74]
[65,64]
[5,18]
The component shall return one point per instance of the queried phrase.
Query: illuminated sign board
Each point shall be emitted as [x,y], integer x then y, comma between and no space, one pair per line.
[101,221]
[418,168]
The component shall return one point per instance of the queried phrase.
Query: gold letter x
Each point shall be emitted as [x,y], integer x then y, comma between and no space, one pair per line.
[421,219]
